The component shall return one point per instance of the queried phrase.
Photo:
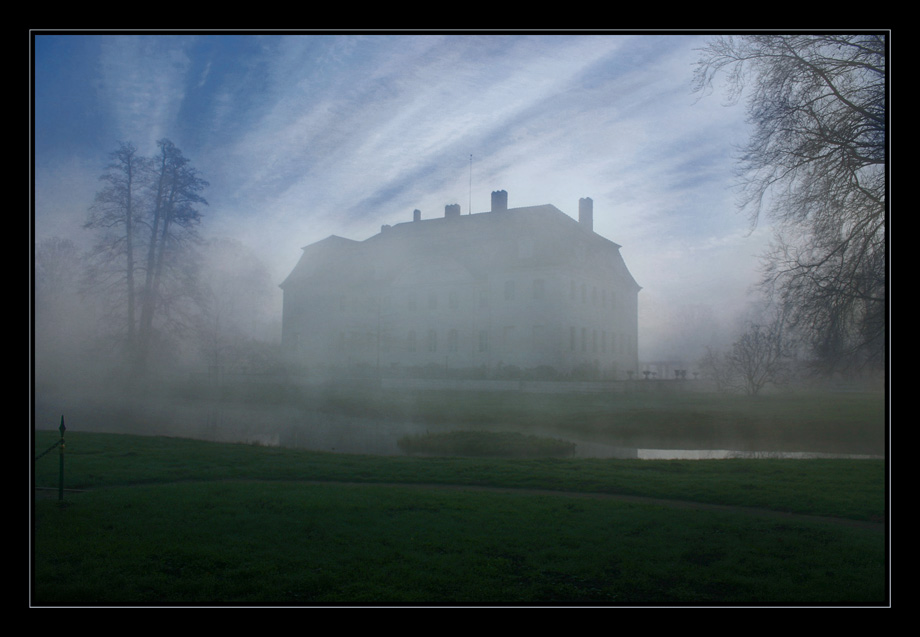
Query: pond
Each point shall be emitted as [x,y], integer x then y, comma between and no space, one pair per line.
[323,431]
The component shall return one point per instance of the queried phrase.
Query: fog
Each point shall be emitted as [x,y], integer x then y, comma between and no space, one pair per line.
[307,136]
[302,137]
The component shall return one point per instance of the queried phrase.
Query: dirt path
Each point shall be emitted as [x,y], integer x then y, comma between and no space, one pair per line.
[677,504]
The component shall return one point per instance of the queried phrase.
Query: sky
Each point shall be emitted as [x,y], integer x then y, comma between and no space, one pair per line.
[301,136]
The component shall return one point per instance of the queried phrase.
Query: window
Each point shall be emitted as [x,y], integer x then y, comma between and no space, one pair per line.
[538,289]
[537,342]
[410,341]
[432,341]
[572,338]
[584,339]
[452,339]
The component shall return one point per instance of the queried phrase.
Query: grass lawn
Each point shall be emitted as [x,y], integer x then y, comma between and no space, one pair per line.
[166,521]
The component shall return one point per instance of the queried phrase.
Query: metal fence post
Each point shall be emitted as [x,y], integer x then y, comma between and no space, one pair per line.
[61,476]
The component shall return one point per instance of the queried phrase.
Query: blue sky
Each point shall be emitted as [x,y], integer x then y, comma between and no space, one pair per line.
[302,136]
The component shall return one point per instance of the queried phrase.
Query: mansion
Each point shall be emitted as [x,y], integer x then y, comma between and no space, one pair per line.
[526,287]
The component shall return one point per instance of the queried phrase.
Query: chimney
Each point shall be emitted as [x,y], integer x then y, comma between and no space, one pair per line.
[416,215]
[586,213]
[499,200]
[452,210]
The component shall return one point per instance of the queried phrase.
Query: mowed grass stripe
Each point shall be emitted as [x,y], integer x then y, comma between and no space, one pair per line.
[290,543]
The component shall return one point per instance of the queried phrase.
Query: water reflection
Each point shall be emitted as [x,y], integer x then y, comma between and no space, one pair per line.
[344,434]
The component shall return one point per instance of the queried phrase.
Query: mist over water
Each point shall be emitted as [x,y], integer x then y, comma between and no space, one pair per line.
[323,141]
[199,378]
[313,426]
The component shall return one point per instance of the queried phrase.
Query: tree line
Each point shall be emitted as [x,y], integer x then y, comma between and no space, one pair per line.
[150,290]
[815,165]
[146,219]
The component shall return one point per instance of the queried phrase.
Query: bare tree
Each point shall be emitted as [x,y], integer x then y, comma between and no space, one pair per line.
[758,357]
[57,264]
[714,367]
[115,216]
[144,263]
[763,354]
[815,164]
[172,230]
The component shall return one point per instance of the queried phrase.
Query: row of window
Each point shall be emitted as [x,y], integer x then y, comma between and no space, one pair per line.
[580,339]
[355,341]
[537,292]
[595,298]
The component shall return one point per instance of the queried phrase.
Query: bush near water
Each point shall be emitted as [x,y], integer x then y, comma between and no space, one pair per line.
[480,444]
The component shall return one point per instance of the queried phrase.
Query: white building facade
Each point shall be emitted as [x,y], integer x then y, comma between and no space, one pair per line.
[525,288]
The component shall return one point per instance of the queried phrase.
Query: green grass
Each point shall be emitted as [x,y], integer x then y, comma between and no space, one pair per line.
[173,521]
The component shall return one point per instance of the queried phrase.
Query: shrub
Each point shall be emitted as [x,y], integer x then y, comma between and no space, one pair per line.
[486,444]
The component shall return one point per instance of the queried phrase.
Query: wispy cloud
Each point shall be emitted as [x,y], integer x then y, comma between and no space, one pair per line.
[304,136]
[142,81]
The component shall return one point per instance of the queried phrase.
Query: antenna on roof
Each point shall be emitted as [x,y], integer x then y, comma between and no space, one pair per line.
[470,203]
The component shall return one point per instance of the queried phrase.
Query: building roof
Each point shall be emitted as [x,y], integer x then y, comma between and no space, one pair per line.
[459,247]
